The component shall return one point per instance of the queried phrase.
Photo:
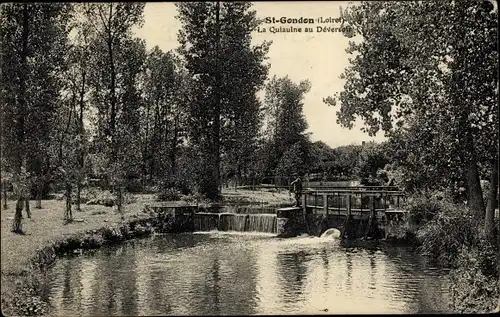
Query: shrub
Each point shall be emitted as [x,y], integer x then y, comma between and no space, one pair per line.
[195,198]
[168,194]
[452,234]
[104,198]
[452,227]
[423,206]
[474,283]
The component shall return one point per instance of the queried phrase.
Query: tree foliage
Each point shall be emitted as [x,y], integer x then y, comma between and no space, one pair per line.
[226,72]
[426,74]
[286,136]
[34,39]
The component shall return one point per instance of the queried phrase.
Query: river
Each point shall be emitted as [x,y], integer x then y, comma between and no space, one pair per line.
[224,273]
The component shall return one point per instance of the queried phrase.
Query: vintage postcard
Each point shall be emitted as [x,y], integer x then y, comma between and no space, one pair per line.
[249,158]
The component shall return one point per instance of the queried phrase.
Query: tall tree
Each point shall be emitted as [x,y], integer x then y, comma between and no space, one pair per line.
[112,92]
[34,39]
[78,73]
[286,125]
[426,64]
[163,90]
[226,71]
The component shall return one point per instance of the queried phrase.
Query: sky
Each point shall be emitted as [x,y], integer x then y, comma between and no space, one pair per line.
[319,57]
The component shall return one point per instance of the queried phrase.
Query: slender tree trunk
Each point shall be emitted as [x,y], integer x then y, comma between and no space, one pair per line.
[69,214]
[173,150]
[16,224]
[112,85]
[215,191]
[4,191]
[27,204]
[37,182]
[112,88]
[145,153]
[489,220]
[119,201]
[80,148]
[39,192]
[78,195]
[154,137]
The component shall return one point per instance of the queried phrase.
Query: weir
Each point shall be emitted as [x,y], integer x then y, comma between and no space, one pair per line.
[235,222]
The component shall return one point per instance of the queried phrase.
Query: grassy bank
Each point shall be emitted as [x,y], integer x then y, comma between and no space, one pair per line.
[452,236]
[25,257]
[47,235]
[246,196]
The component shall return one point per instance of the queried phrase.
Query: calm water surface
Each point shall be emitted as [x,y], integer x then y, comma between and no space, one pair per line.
[240,273]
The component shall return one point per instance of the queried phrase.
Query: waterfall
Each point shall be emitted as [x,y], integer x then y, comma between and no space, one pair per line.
[235,222]
[262,223]
[205,221]
[232,222]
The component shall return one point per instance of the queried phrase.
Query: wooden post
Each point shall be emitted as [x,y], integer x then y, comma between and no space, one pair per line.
[348,217]
[372,215]
[325,204]
[348,203]
[372,206]
[304,212]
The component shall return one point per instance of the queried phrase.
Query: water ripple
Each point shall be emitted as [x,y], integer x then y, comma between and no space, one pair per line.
[245,274]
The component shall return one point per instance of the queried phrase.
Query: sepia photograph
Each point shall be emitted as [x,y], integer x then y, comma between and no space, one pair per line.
[249,158]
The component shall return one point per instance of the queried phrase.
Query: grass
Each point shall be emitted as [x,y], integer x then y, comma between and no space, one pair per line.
[246,196]
[47,224]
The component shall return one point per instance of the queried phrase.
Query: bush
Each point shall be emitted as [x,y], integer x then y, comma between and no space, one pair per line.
[474,283]
[134,185]
[172,189]
[452,234]
[168,194]
[424,206]
[98,197]
[195,198]
[452,227]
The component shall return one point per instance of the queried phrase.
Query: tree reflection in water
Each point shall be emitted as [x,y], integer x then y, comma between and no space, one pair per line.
[212,288]
[219,274]
[373,270]
[348,265]
[326,266]
[292,271]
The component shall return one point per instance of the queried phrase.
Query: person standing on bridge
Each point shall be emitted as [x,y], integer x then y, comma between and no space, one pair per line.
[296,187]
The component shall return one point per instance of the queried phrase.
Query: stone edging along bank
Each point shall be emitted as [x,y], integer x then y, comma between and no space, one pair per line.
[26,297]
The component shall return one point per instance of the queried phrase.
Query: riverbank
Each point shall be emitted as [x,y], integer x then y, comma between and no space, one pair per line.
[452,236]
[25,257]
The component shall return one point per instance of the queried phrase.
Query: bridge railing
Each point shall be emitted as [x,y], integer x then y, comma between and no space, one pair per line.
[358,200]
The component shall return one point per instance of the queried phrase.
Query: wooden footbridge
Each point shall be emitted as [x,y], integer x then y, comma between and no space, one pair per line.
[359,200]
[369,207]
